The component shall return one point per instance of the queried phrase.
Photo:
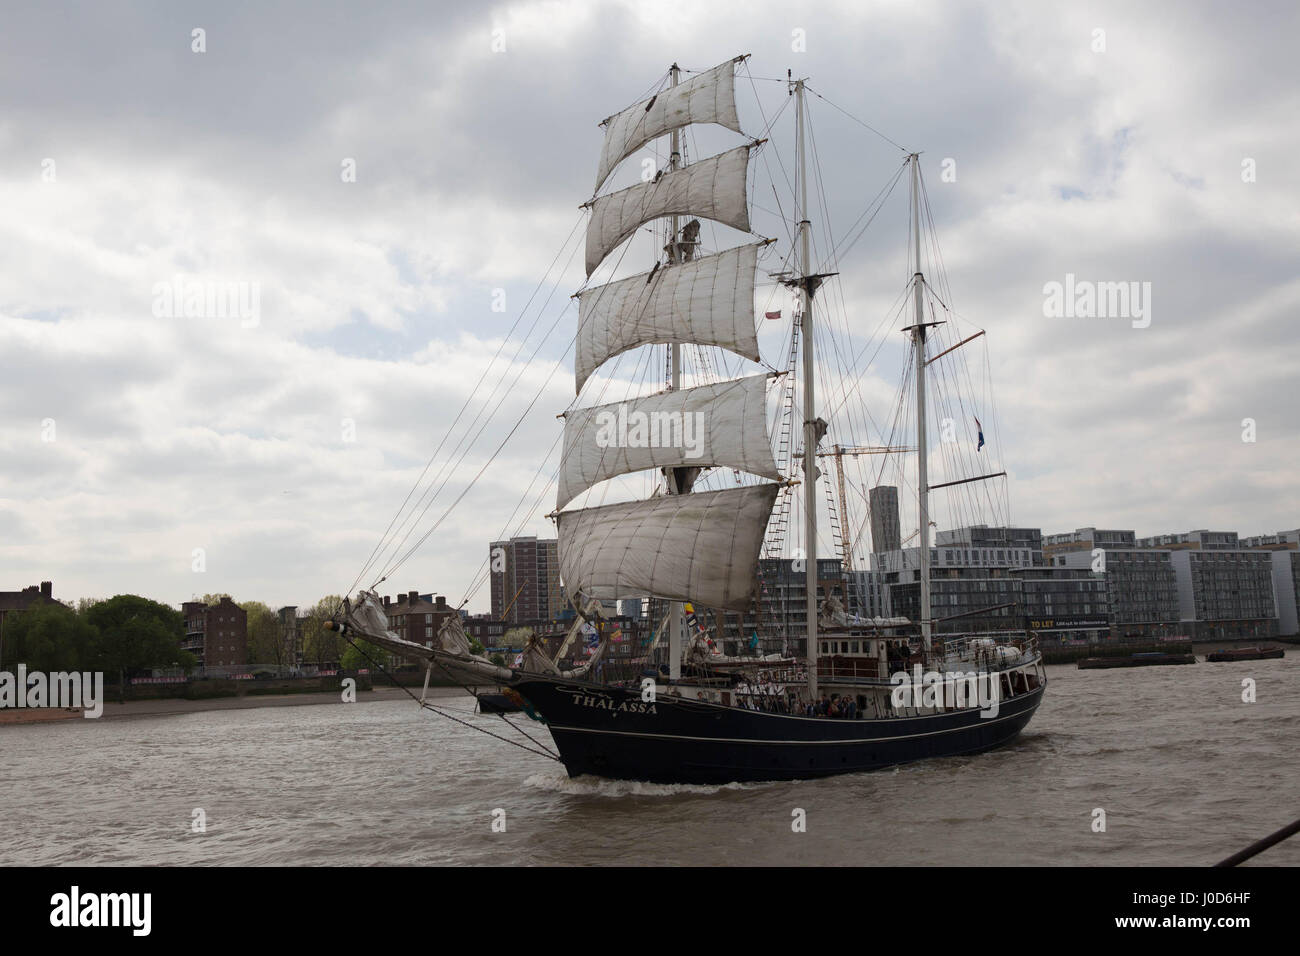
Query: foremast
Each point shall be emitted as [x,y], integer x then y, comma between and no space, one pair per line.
[685,545]
[673,475]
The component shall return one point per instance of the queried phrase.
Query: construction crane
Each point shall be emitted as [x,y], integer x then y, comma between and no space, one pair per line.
[506,612]
[838,452]
[914,534]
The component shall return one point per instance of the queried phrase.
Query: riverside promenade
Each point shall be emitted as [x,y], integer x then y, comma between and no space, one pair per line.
[165,706]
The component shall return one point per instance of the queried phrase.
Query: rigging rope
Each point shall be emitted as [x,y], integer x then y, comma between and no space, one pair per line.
[381,545]
[425,705]
[854,118]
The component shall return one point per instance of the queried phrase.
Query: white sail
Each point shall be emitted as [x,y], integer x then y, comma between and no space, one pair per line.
[711,189]
[708,301]
[699,547]
[722,424]
[707,98]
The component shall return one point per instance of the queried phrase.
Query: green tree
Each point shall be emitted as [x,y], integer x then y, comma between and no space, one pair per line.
[137,634]
[358,654]
[264,638]
[48,636]
[320,646]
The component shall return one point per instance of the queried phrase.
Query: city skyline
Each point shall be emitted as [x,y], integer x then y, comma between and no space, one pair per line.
[279,445]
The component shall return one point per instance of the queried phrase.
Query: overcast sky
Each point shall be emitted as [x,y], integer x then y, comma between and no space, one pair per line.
[1161,150]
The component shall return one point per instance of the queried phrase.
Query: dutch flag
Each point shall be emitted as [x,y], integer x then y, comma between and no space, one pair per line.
[979,428]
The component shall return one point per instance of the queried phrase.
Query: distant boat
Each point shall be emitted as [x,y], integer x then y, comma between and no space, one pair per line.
[1245,654]
[1148,659]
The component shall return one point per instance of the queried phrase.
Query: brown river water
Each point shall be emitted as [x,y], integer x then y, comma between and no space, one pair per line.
[1185,771]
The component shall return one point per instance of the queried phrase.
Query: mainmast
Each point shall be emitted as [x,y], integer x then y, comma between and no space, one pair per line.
[675,383]
[918,343]
[807,290]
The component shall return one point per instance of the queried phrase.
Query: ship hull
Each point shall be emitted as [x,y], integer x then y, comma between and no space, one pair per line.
[611,732]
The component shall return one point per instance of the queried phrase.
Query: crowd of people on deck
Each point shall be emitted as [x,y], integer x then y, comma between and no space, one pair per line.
[899,655]
[834,706]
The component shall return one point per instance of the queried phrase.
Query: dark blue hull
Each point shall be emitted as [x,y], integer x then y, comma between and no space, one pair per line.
[610,732]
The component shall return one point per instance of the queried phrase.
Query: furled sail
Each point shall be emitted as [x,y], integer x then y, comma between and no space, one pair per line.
[721,424]
[708,301]
[707,98]
[699,547]
[712,189]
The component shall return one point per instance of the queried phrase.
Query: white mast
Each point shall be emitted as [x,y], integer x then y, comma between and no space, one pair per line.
[922,480]
[809,403]
[675,383]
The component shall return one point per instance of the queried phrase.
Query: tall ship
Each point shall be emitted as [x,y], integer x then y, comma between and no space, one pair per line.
[849,692]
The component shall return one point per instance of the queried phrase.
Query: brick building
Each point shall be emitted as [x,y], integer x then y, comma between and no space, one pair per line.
[13,601]
[415,618]
[22,600]
[486,629]
[525,580]
[216,634]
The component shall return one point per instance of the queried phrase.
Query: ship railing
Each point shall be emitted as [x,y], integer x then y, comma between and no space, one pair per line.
[848,668]
[987,652]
